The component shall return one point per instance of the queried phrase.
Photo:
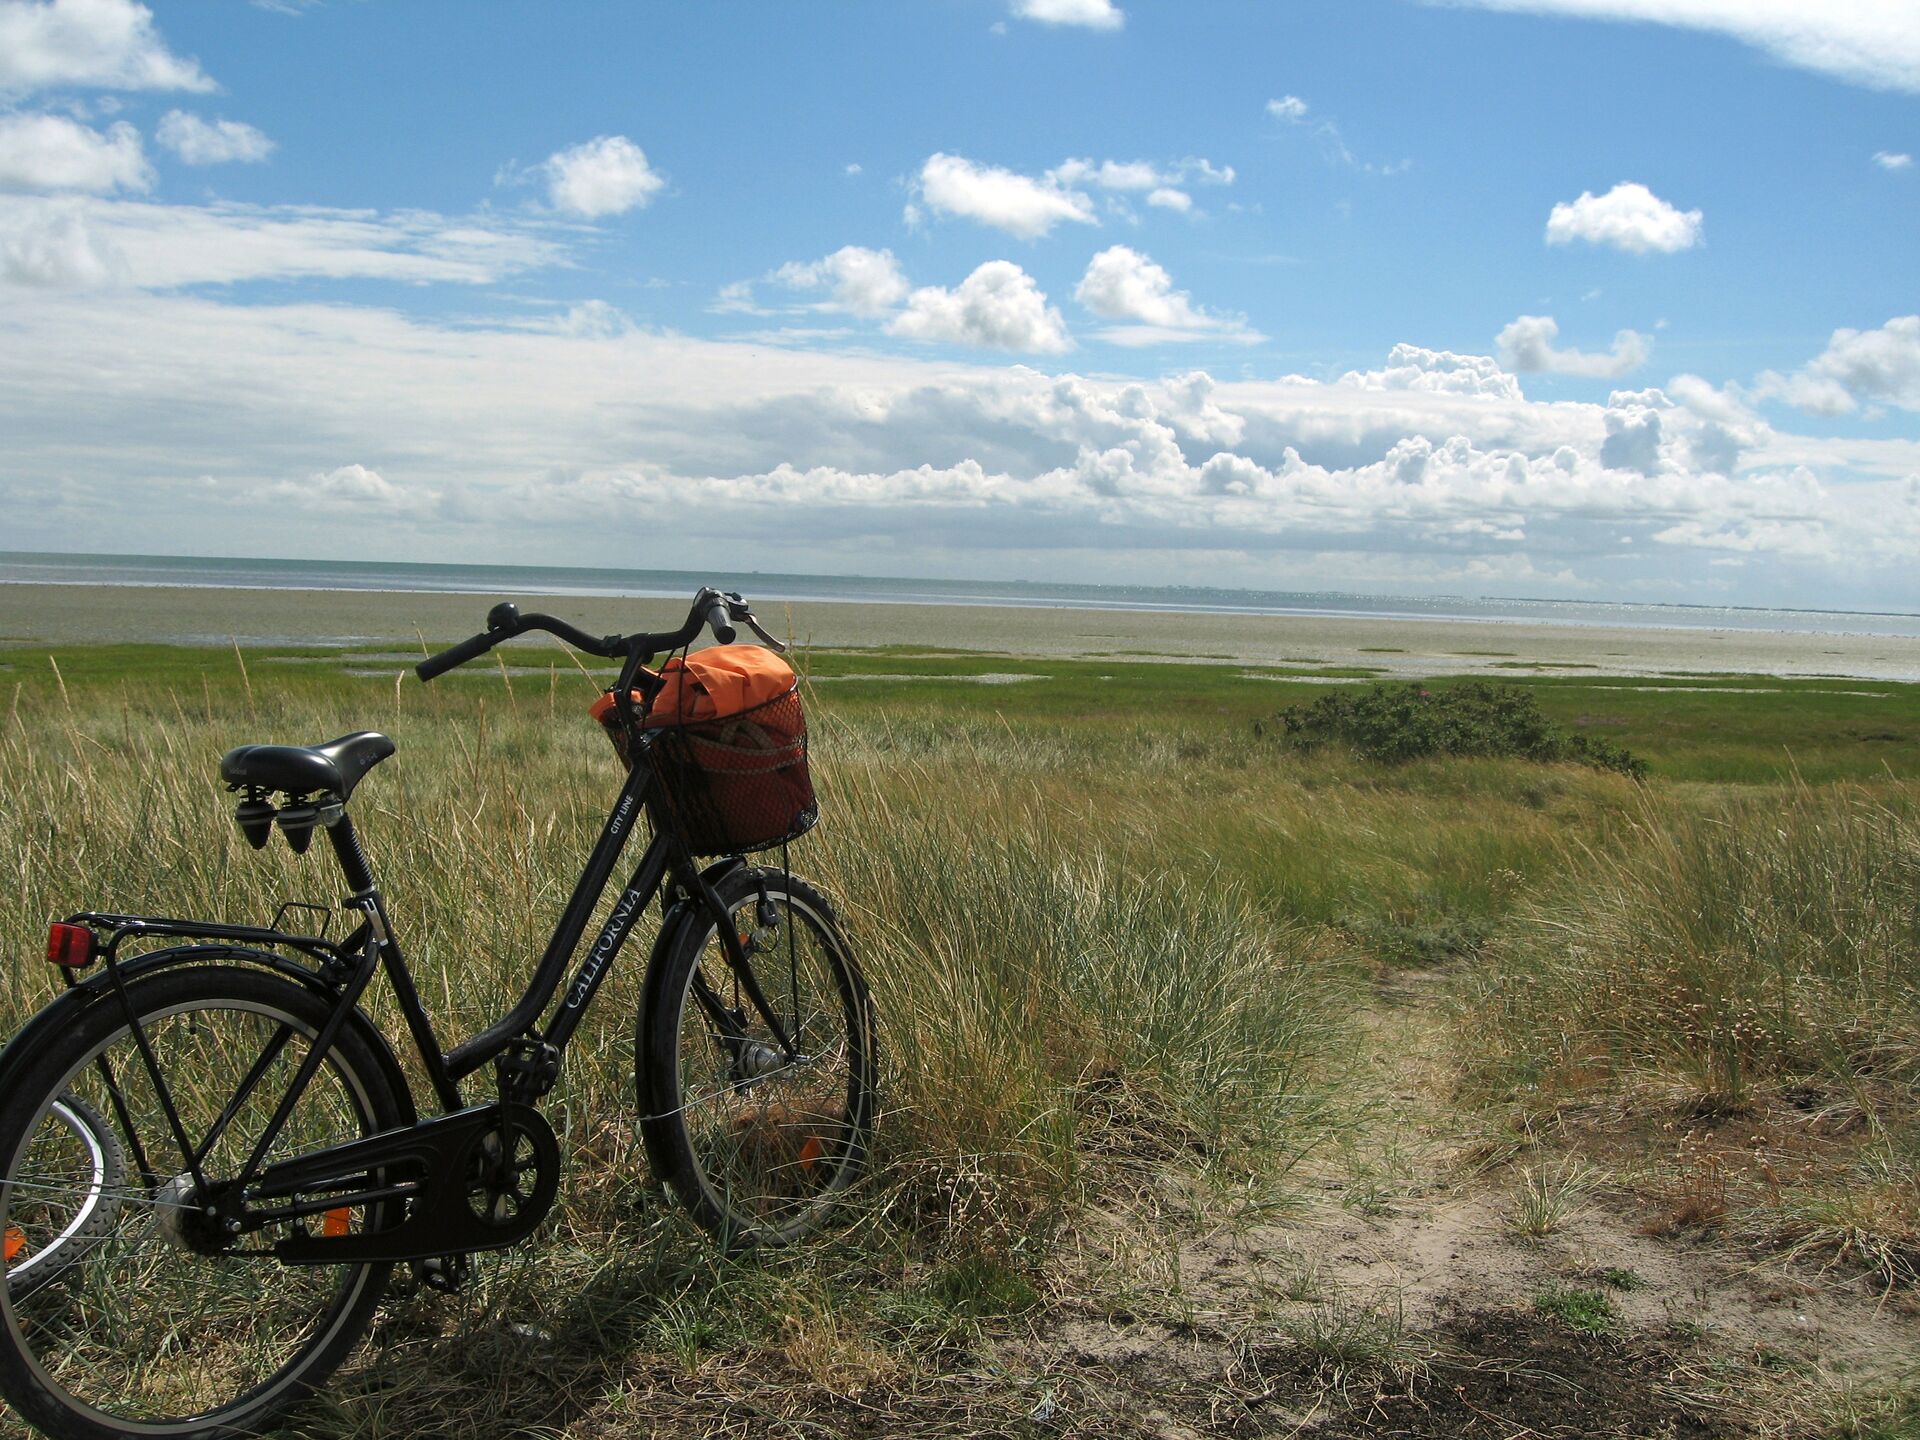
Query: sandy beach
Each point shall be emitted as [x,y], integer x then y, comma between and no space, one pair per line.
[68,614]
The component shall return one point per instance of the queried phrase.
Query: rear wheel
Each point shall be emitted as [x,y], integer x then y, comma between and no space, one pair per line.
[759,1138]
[147,1319]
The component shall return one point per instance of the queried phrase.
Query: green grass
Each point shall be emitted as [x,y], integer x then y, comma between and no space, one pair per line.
[1116,935]
[1588,1311]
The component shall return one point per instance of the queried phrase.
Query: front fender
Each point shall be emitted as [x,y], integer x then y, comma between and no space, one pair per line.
[53,1019]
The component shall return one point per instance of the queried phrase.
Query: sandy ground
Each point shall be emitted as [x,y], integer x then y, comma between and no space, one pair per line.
[1399,1299]
[174,615]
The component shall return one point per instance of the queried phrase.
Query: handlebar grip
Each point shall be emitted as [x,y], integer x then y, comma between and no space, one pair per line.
[446,660]
[718,622]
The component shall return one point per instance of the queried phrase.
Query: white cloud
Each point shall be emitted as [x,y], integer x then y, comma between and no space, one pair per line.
[1868,42]
[1858,367]
[1816,394]
[1108,174]
[1029,208]
[1001,198]
[352,483]
[594,320]
[1441,372]
[71,241]
[1288,107]
[1891,160]
[161,417]
[1123,285]
[1628,217]
[608,175]
[51,152]
[1093,14]
[861,281]
[998,306]
[198,142]
[1527,345]
[1703,398]
[1876,365]
[106,44]
[59,252]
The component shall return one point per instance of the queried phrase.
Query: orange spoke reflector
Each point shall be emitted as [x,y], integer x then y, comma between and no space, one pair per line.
[16,1241]
[811,1151]
[335,1223]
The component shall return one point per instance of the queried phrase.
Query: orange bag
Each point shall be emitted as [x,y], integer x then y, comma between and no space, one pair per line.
[730,749]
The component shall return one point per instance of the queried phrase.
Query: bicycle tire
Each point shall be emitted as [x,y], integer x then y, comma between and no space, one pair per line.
[759,1149]
[153,1330]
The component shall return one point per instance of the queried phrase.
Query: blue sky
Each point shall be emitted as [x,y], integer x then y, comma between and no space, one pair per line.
[1593,298]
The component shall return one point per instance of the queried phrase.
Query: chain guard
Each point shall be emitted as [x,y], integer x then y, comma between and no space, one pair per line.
[479,1179]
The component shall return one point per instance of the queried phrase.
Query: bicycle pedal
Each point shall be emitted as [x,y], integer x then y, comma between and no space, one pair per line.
[445,1273]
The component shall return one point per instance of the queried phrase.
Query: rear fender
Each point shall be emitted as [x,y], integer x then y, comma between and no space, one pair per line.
[54,1018]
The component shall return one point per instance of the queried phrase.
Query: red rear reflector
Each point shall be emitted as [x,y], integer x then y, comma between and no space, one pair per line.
[16,1241]
[811,1152]
[71,945]
[334,1223]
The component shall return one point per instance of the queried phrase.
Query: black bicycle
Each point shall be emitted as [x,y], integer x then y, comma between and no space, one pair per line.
[211,1159]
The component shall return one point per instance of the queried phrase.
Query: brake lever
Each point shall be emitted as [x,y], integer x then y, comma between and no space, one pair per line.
[741,613]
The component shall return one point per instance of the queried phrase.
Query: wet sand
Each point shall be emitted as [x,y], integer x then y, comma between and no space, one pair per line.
[47,614]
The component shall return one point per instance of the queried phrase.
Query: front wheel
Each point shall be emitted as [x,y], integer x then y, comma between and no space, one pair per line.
[127,1311]
[757,1107]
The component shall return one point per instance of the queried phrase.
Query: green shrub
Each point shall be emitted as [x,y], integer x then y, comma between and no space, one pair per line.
[1473,717]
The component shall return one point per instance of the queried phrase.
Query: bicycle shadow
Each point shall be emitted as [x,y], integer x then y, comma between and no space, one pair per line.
[534,1343]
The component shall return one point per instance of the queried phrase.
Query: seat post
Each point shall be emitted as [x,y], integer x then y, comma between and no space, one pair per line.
[353,860]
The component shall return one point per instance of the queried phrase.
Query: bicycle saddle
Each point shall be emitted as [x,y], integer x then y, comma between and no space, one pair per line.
[332,769]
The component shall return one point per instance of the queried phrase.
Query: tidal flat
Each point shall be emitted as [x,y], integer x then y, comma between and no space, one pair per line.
[87,614]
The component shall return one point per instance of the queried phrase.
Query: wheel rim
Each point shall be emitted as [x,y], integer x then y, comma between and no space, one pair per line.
[772,1140]
[132,1325]
[81,1152]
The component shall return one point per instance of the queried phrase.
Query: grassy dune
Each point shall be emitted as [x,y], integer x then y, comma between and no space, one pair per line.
[1119,939]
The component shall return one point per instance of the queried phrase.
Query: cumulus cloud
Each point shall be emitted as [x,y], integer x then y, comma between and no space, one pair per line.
[608,175]
[51,152]
[1866,42]
[1441,372]
[1004,199]
[1526,345]
[1163,185]
[75,242]
[1030,207]
[218,142]
[1892,160]
[1288,107]
[561,446]
[1628,217]
[1125,286]
[1092,14]
[998,306]
[1877,365]
[106,44]
[859,281]
[1858,367]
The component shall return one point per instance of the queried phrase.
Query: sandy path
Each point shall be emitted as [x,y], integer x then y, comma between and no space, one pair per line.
[1400,1301]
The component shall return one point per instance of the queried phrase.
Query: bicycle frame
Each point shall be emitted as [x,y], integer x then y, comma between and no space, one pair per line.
[527,1055]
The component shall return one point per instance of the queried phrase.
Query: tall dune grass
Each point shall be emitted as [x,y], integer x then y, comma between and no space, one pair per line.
[1772,940]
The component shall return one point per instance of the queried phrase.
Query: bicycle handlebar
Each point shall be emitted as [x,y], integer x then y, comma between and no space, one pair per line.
[712,609]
